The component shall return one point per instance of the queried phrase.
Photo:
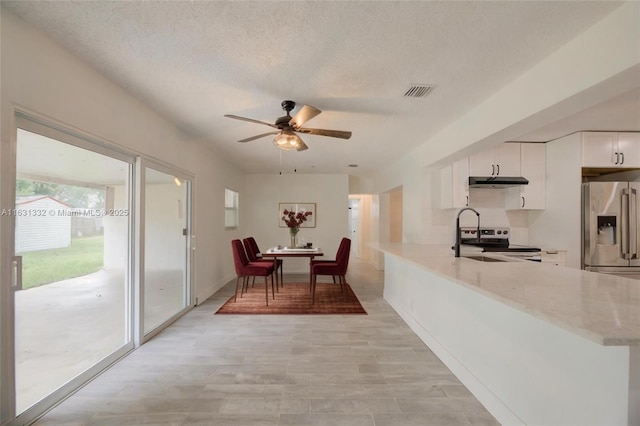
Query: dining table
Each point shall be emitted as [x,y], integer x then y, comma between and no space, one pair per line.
[279,252]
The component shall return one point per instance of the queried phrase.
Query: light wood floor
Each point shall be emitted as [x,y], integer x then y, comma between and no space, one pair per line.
[220,370]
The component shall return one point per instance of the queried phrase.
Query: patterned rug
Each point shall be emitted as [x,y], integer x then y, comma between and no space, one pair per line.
[295,298]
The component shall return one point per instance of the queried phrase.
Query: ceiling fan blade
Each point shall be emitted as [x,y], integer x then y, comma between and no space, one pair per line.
[250,120]
[258,137]
[302,147]
[305,114]
[323,132]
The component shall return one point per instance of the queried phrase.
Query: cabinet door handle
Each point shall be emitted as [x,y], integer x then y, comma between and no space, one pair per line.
[522,202]
[617,158]
[466,204]
[498,167]
[493,169]
[622,158]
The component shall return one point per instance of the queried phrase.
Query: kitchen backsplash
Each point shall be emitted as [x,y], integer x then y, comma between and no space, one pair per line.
[439,226]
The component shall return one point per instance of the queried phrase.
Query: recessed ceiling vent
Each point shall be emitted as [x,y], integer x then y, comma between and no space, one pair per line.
[419,90]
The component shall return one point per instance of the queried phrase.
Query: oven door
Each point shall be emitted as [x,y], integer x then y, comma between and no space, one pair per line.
[530,256]
[517,252]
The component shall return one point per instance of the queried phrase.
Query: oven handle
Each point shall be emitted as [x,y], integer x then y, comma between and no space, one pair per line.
[527,258]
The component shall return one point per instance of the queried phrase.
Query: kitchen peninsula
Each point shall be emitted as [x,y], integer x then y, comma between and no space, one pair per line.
[535,343]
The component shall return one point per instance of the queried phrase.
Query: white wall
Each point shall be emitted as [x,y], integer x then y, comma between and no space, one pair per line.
[395,216]
[377,257]
[259,205]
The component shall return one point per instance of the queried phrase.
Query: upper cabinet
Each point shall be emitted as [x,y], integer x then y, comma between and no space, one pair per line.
[451,185]
[501,160]
[533,166]
[610,149]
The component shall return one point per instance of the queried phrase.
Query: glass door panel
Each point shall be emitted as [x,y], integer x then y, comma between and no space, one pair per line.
[166,244]
[72,236]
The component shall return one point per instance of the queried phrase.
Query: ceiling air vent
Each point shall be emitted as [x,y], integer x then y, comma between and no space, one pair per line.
[419,90]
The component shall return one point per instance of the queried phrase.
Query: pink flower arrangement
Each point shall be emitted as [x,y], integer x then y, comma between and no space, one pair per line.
[293,219]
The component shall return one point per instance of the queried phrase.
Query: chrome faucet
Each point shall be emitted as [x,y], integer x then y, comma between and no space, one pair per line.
[458,237]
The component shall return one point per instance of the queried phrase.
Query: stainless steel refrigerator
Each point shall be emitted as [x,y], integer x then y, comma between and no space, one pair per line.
[610,227]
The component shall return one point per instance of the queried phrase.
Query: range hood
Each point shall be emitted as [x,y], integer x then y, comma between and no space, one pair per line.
[496,181]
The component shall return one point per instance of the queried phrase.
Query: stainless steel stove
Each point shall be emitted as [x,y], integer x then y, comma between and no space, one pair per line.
[496,240]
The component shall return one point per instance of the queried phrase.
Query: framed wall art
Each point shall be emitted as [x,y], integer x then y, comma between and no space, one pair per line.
[310,221]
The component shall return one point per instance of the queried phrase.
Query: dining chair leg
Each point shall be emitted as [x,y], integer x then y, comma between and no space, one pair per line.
[313,289]
[273,293]
[342,280]
[253,282]
[235,296]
[266,289]
[245,285]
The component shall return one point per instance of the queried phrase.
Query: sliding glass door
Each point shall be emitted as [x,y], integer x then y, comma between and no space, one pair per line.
[102,244]
[72,293]
[166,260]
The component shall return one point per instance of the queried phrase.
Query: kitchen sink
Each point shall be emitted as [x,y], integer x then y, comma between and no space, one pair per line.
[485,259]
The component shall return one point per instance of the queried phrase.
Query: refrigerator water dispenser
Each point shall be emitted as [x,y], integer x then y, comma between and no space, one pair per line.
[607,230]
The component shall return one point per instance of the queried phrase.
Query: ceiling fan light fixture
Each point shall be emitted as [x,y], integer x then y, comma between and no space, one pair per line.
[287,140]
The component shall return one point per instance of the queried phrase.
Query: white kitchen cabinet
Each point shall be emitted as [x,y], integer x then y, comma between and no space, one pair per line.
[533,166]
[501,160]
[629,148]
[610,149]
[451,189]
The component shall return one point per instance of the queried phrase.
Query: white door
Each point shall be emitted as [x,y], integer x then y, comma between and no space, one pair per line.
[354,226]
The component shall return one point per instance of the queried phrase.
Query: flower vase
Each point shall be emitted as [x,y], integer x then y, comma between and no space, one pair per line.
[293,232]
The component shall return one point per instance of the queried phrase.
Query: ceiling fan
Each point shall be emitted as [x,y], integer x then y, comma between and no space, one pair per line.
[287,127]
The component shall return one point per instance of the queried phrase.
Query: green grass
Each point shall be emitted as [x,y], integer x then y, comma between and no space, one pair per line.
[47,266]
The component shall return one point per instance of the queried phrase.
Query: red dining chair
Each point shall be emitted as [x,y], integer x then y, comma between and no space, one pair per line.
[246,269]
[335,268]
[254,255]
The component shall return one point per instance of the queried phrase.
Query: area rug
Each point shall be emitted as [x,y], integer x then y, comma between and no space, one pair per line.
[295,299]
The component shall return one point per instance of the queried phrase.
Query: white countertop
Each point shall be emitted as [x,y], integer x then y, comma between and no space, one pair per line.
[599,307]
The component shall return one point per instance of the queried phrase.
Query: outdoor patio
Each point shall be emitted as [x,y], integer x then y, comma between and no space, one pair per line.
[65,327]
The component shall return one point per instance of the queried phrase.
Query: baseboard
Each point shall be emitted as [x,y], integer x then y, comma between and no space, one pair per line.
[214,288]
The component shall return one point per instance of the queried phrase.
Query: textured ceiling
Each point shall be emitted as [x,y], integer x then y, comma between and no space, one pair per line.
[193,62]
